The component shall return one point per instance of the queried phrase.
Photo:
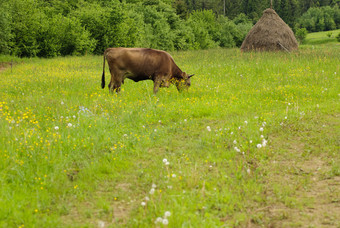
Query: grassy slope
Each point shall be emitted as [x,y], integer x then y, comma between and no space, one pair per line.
[72,154]
[317,38]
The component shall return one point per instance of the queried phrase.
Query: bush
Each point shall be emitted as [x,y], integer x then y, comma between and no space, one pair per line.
[204,27]
[64,36]
[226,30]
[338,37]
[301,34]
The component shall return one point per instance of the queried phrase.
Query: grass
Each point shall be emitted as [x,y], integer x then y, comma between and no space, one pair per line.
[316,38]
[237,143]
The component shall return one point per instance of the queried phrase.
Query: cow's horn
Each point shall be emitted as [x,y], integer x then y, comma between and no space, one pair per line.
[191,75]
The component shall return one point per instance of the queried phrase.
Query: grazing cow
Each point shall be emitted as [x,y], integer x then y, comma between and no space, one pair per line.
[140,64]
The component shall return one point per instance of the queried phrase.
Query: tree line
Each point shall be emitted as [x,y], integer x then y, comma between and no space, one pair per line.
[48,28]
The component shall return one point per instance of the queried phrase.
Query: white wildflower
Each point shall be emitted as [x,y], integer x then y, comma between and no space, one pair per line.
[237,149]
[246,122]
[56,127]
[173,175]
[235,141]
[261,128]
[165,160]
[101,224]
[259,146]
[208,128]
[167,214]
[165,221]
[143,204]
[158,220]
[147,198]
[69,125]
[152,191]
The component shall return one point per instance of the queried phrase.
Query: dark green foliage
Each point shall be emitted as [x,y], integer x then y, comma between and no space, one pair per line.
[338,37]
[5,31]
[49,28]
[288,10]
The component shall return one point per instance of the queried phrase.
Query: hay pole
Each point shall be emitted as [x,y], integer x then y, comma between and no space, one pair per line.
[271,4]
[283,47]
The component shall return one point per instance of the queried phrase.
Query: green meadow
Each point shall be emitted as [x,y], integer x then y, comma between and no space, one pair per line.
[254,142]
[328,37]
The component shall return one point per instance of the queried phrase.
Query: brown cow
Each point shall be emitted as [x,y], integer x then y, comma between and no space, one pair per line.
[140,64]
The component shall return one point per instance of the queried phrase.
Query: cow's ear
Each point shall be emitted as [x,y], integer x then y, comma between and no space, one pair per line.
[191,75]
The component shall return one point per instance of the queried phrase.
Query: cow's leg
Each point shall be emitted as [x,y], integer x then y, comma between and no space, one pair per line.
[111,81]
[116,80]
[156,84]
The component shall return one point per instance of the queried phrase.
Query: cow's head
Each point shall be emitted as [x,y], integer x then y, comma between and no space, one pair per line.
[183,82]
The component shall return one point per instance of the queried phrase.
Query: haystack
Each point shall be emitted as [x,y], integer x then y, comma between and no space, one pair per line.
[270,33]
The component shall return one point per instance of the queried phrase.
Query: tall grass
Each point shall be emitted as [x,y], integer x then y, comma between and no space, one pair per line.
[71,154]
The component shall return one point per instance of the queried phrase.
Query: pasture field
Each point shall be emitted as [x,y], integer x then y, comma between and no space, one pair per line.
[328,37]
[253,143]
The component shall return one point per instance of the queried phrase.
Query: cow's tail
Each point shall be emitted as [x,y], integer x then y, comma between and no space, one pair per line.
[103,76]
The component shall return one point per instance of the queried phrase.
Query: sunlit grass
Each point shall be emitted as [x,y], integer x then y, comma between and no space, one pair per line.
[73,154]
[327,37]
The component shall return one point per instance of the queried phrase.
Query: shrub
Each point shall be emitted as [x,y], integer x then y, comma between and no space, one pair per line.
[204,27]
[301,34]
[338,37]
[64,36]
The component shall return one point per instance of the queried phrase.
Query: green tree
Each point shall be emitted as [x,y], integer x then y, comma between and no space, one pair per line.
[5,31]
[26,26]
[320,19]
[203,24]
